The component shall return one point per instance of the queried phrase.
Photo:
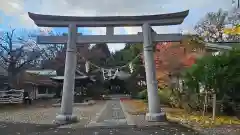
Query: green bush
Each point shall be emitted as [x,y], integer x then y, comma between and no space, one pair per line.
[219,73]
[142,95]
[164,95]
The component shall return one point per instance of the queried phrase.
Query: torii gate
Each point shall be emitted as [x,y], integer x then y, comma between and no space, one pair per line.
[147,37]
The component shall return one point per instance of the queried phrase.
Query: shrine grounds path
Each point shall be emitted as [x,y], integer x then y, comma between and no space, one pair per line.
[105,118]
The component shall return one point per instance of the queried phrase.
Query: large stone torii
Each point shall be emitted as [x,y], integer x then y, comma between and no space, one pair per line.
[148,36]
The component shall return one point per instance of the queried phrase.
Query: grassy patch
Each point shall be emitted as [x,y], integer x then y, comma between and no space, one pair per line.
[137,107]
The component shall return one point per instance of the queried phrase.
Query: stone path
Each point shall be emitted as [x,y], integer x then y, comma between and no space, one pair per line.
[110,119]
[110,115]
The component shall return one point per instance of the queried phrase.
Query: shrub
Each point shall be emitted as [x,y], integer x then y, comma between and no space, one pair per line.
[164,95]
[142,95]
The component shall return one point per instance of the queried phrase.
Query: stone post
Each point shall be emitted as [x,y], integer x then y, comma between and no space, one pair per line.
[154,113]
[66,115]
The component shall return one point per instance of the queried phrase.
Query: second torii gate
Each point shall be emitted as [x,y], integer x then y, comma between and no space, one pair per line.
[147,37]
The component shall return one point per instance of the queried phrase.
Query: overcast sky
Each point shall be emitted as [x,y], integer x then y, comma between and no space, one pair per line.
[14,12]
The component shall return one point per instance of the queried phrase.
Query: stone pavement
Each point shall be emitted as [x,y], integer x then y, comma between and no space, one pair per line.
[111,115]
[110,119]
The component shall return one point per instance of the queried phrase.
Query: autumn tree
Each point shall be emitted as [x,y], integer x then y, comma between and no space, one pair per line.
[211,27]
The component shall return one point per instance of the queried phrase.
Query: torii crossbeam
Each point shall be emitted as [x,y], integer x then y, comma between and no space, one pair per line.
[147,37]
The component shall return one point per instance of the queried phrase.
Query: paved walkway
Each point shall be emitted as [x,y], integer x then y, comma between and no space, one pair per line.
[110,115]
[110,119]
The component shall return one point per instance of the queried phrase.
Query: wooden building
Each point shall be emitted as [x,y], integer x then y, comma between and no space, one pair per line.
[38,83]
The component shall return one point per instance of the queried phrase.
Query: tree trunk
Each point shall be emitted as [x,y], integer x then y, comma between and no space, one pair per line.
[10,79]
[12,73]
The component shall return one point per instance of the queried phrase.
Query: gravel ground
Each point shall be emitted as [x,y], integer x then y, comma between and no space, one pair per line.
[123,130]
[223,130]
[45,115]
[16,128]
[34,129]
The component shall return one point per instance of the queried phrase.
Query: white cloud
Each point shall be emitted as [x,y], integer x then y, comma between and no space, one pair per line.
[11,7]
[103,7]
[26,21]
[97,31]
[116,46]
[16,9]
[19,9]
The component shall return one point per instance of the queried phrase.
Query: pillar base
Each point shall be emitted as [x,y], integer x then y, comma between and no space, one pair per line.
[65,119]
[156,117]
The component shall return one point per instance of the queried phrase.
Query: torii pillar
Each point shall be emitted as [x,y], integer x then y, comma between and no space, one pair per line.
[154,113]
[66,114]
[147,37]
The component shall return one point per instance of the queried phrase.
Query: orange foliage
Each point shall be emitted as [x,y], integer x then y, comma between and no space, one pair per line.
[171,57]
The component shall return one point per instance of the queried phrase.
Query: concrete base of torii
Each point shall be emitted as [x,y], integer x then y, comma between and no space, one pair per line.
[156,117]
[65,119]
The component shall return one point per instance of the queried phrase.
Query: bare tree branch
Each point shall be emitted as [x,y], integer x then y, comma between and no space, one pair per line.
[33,57]
[4,47]
[211,27]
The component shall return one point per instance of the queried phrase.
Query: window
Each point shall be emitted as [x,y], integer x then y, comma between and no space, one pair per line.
[51,90]
[42,90]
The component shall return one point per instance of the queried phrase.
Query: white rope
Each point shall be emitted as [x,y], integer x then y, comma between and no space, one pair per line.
[103,72]
[131,67]
[87,66]
[114,68]
[115,74]
[107,72]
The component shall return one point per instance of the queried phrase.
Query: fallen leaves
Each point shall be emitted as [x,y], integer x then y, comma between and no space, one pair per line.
[202,121]
[138,107]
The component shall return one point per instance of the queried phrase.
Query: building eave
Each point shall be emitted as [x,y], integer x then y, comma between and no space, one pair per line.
[218,46]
